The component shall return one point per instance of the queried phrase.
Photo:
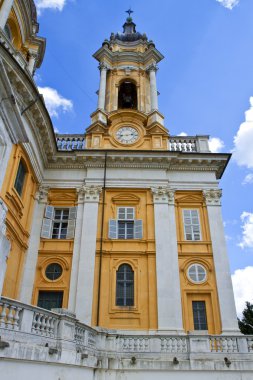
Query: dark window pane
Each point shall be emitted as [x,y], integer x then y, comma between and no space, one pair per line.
[50,300]
[20,178]
[53,271]
[125,286]
[199,315]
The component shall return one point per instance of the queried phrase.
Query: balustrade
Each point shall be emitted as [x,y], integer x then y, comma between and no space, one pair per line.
[174,345]
[223,344]
[44,324]
[9,316]
[69,142]
[184,144]
[36,322]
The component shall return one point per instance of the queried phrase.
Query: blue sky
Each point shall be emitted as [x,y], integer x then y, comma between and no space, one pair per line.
[205,84]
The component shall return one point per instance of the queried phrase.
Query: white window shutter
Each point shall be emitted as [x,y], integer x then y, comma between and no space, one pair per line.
[72,213]
[71,229]
[138,229]
[46,230]
[49,213]
[112,229]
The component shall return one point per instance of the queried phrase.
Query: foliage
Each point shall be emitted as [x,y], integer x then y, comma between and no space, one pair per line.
[246,323]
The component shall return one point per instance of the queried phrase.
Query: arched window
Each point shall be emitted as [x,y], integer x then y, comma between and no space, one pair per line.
[127,95]
[125,286]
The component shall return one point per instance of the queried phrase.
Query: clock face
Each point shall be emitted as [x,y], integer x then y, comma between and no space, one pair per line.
[127,135]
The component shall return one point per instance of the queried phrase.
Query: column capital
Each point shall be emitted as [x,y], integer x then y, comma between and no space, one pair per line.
[163,194]
[152,67]
[103,66]
[212,197]
[42,194]
[89,193]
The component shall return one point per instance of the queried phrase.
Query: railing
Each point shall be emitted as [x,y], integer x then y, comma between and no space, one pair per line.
[70,142]
[33,325]
[184,144]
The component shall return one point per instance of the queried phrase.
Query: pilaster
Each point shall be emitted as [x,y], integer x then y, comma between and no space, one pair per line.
[82,279]
[4,244]
[5,11]
[31,258]
[167,268]
[221,262]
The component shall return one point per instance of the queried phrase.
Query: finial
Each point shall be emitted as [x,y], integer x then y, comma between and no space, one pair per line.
[129,12]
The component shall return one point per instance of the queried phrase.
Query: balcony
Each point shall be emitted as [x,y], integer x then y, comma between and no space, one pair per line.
[186,144]
[30,333]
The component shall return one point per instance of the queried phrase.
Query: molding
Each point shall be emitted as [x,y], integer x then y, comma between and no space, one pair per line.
[89,193]
[212,197]
[42,194]
[163,194]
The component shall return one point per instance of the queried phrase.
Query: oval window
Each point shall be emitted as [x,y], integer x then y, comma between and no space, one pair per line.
[53,271]
[197,273]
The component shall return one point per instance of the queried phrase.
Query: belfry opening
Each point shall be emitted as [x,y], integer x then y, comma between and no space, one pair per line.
[127,95]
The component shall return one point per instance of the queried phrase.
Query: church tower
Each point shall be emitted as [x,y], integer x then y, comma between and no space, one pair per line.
[128,97]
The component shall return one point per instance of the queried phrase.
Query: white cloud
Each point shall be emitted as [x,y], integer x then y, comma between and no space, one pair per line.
[243,152]
[53,4]
[230,4]
[248,179]
[216,144]
[183,134]
[242,281]
[247,230]
[55,103]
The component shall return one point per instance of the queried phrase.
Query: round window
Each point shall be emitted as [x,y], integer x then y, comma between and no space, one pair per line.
[53,271]
[197,273]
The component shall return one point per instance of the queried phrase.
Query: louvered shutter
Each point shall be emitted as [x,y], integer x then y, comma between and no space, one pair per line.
[112,229]
[46,230]
[72,213]
[138,229]
[71,229]
[49,213]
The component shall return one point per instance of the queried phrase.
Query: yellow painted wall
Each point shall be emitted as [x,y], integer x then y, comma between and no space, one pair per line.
[140,254]
[55,251]
[18,220]
[196,252]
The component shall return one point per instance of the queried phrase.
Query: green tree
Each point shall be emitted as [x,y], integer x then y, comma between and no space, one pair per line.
[246,323]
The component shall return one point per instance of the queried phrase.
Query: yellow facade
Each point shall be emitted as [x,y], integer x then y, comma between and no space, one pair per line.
[196,252]
[19,218]
[55,251]
[139,254]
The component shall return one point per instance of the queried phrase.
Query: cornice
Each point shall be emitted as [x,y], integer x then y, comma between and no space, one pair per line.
[171,161]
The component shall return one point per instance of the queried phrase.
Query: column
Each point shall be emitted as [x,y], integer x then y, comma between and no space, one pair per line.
[167,268]
[5,11]
[153,88]
[102,87]
[4,244]
[31,259]
[32,62]
[221,262]
[85,251]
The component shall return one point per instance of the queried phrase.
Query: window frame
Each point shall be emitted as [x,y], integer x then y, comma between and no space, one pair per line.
[21,182]
[197,281]
[192,225]
[198,317]
[54,291]
[53,279]
[50,220]
[125,227]
[61,221]
[125,283]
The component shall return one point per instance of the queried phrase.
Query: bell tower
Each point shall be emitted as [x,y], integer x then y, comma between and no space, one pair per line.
[127,114]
